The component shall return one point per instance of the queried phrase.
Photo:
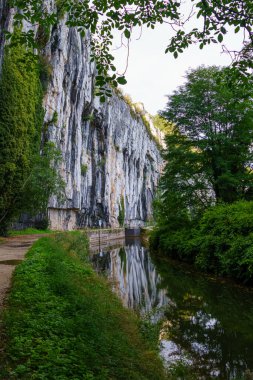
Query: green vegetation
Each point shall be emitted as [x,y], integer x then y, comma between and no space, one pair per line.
[60,5]
[224,240]
[54,118]
[42,37]
[102,17]
[21,118]
[209,153]
[27,176]
[43,181]
[84,168]
[29,231]
[64,322]
[221,242]
[162,124]
[121,217]
[204,205]
[136,111]
[89,117]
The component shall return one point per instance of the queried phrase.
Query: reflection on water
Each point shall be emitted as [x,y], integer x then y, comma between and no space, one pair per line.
[206,324]
[135,277]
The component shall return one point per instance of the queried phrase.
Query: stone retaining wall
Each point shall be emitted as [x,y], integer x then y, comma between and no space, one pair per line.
[104,236]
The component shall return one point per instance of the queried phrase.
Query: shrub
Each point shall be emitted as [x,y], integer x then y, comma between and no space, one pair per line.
[89,117]
[42,224]
[121,217]
[221,242]
[84,168]
[224,240]
[54,118]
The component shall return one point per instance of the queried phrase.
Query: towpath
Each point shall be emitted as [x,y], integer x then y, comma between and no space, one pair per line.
[12,252]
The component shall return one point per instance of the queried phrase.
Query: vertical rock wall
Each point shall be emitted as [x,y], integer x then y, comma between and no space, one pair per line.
[110,163]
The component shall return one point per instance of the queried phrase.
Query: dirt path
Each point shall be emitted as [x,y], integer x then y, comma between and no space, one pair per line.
[12,252]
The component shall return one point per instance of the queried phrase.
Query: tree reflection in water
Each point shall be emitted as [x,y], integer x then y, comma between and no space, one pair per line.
[207,324]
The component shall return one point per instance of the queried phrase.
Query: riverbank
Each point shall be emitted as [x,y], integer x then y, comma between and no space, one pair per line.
[64,322]
[220,242]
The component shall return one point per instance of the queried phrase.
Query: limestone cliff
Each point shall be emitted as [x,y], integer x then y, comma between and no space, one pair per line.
[111,164]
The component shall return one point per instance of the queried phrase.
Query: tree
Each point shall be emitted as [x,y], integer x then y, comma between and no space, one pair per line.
[43,181]
[209,154]
[101,17]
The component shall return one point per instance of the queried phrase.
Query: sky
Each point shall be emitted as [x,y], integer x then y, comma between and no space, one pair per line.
[152,74]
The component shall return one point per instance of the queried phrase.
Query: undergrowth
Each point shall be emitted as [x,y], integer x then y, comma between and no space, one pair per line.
[220,242]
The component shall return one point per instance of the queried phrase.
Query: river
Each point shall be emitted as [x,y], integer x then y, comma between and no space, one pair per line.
[205,323]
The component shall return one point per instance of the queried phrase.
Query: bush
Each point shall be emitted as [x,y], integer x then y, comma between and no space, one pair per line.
[42,224]
[221,242]
[224,240]
[84,168]
[121,216]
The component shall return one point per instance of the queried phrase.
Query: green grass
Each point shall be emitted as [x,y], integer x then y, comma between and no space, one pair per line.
[29,231]
[64,322]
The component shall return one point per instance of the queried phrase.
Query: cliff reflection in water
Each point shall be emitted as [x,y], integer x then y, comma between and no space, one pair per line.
[134,276]
[205,323]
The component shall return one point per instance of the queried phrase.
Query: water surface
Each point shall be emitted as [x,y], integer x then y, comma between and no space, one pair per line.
[205,323]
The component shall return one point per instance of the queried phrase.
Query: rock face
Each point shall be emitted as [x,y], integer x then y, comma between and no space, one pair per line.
[111,164]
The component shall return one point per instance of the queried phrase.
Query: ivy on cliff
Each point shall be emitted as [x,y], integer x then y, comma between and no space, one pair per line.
[21,118]
[27,178]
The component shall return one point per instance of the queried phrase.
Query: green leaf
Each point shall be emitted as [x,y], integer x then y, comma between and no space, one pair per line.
[121,80]
[220,37]
[127,33]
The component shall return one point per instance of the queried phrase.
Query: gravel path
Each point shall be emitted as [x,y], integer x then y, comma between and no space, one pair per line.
[12,252]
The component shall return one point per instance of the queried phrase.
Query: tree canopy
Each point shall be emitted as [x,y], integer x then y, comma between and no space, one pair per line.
[209,155]
[101,17]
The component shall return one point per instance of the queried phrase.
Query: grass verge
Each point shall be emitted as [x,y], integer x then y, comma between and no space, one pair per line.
[29,231]
[64,322]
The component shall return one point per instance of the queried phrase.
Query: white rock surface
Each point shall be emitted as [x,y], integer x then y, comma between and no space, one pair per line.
[108,155]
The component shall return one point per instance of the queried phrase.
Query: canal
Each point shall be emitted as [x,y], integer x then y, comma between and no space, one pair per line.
[205,324]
